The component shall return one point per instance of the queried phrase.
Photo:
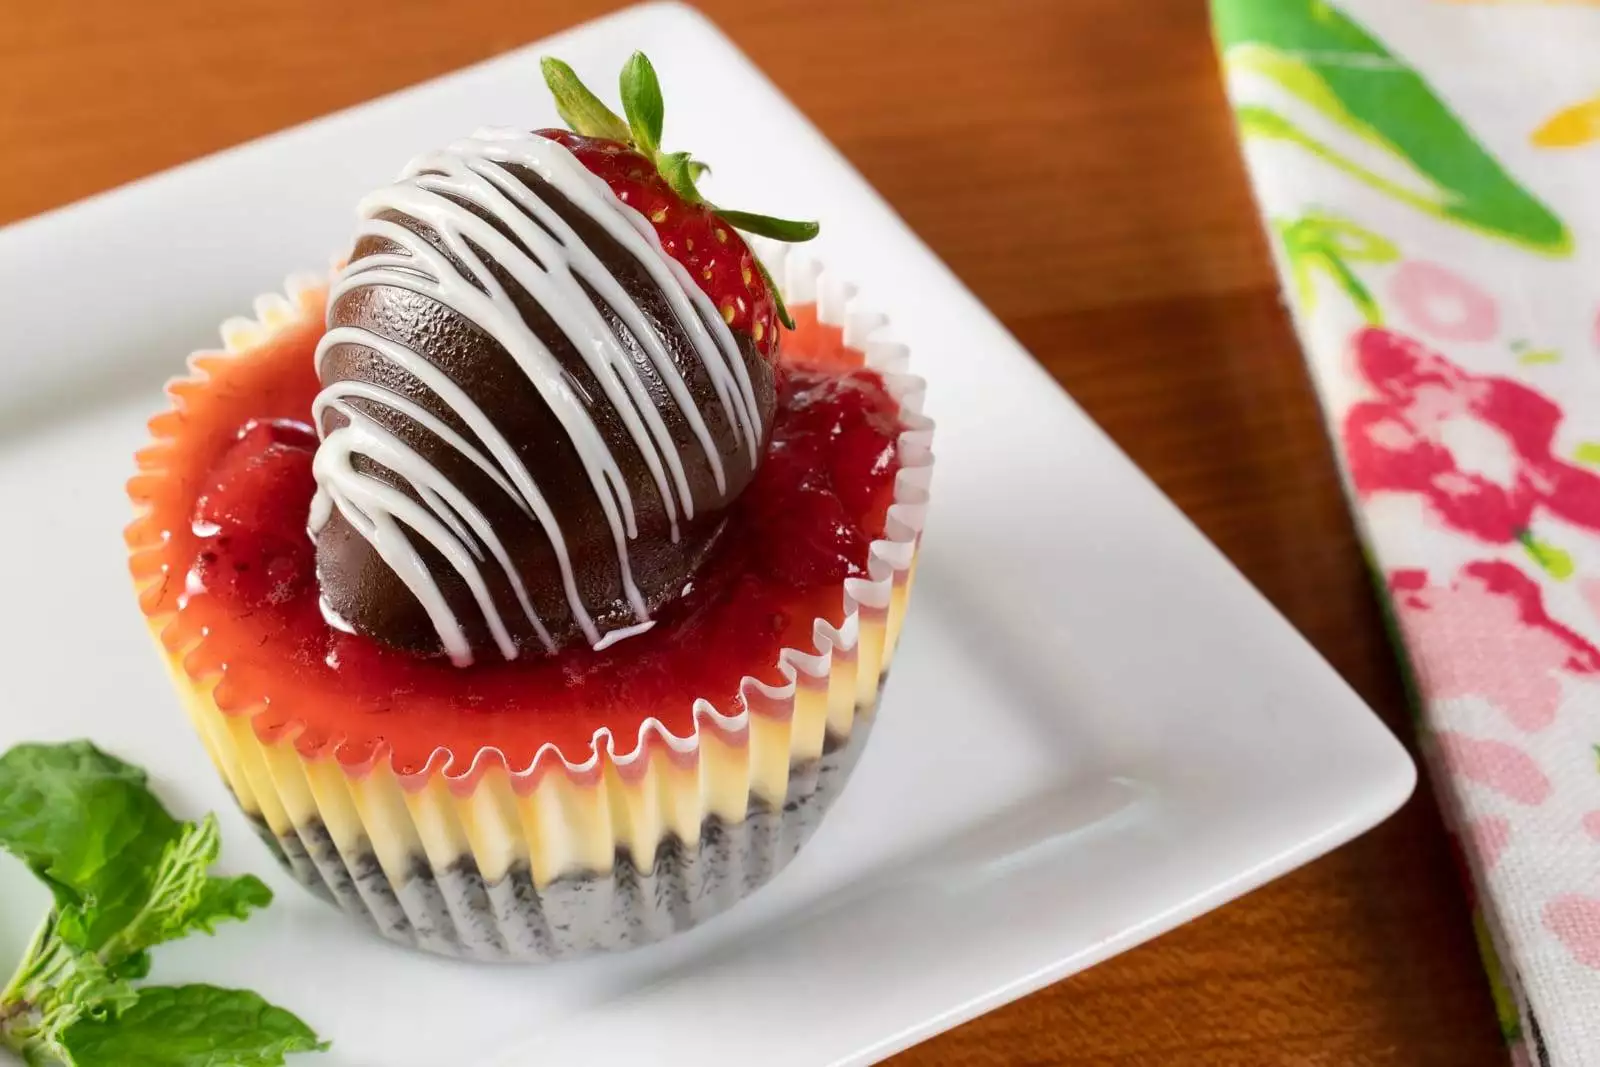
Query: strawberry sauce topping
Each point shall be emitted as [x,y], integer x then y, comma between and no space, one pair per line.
[237,567]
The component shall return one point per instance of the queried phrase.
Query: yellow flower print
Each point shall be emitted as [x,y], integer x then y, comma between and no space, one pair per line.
[1571,127]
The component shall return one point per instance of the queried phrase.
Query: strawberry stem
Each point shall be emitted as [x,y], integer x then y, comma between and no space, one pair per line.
[642,103]
[678,170]
[786,230]
[580,109]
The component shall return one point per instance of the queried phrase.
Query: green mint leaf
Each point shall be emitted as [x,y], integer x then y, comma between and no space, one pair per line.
[87,991]
[767,226]
[191,1026]
[580,109]
[642,103]
[229,898]
[183,898]
[677,169]
[44,1050]
[133,967]
[180,879]
[88,826]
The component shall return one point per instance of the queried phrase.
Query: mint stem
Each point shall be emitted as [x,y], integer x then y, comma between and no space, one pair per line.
[12,1011]
[12,1002]
[25,1003]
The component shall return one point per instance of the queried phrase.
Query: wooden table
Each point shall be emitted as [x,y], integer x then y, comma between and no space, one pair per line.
[1074,163]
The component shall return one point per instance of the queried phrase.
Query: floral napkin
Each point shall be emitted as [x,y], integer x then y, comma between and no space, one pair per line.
[1429,172]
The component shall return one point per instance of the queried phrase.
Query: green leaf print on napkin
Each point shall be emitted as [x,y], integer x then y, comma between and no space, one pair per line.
[1323,57]
[1318,242]
[1552,559]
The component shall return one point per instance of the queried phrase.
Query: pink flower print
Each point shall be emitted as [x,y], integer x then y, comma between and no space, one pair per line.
[1591,824]
[1589,589]
[1504,768]
[1478,449]
[1575,921]
[1488,635]
[1490,836]
[1443,304]
[1572,493]
[1387,452]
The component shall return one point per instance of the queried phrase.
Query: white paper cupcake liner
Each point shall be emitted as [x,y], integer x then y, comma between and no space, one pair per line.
[456,911]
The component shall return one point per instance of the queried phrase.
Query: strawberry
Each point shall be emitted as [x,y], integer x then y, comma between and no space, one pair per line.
[251,514]
[254,569]
[847,425]
[268,463]
[627,156]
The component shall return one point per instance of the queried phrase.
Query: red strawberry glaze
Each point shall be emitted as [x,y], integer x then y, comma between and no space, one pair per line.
[226,573]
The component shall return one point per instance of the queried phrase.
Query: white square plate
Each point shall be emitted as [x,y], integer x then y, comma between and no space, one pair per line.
[1096,729]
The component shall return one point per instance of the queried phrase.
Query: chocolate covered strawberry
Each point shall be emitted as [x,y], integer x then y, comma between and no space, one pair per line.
[627,155]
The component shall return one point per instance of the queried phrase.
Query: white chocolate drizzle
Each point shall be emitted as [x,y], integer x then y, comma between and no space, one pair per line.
[432,190]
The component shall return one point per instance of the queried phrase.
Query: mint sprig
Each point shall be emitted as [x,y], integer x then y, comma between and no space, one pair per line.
[240,1029]
[125,876]
[642,103]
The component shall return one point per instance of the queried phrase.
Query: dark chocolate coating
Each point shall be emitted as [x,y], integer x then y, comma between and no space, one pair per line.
[367,594]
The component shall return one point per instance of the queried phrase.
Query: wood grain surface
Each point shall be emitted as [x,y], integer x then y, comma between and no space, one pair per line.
[1074,163]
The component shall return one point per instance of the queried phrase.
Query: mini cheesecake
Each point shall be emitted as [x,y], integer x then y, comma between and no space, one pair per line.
[531,583]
